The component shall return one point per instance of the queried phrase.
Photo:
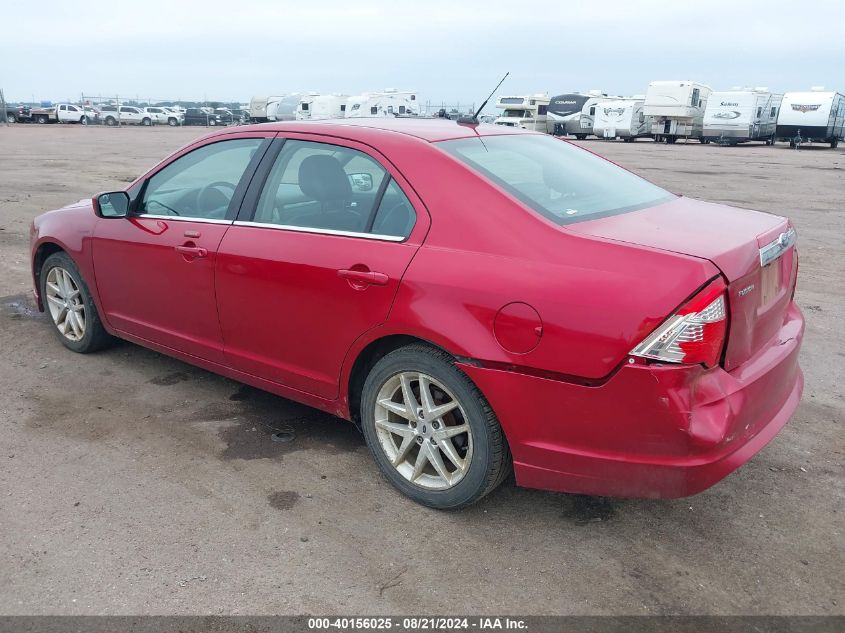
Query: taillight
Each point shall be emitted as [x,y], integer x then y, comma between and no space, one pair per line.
[694,334]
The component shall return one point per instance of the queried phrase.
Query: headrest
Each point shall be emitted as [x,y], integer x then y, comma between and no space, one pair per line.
[322,178]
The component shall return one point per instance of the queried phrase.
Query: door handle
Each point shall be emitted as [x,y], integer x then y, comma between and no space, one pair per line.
[364,277]
[192,251]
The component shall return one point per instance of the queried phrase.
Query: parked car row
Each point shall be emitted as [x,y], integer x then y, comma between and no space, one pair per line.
[113,115]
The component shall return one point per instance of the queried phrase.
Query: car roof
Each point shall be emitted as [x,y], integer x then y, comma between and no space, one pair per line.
[427,129]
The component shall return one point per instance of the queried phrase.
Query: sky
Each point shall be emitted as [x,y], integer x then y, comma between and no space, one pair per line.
[448,52]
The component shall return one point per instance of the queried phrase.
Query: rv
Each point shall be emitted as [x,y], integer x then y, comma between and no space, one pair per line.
[621,118]
[315,107]
[281,108]
[806,117]
[738,116]
[383,104]
[677,109]
[528,112]
[562,109]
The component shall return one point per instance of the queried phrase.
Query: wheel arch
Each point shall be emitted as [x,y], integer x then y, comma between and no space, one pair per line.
[366,359]
[42,252]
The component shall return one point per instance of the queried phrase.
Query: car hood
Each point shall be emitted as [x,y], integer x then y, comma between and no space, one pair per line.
[727,236]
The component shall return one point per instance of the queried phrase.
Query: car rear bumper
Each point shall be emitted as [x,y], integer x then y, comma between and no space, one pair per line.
[649,430]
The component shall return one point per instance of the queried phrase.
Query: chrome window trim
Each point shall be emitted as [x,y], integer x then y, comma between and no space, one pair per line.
[777,247]
[180,218]
[308,229]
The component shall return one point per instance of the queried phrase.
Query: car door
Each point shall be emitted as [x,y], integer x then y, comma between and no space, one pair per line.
[325,234]
[155,269]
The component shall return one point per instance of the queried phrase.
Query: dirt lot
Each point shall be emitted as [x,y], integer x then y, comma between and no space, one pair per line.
[133,483]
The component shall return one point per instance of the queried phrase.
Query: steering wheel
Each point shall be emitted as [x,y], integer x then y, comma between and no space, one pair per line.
[212,201]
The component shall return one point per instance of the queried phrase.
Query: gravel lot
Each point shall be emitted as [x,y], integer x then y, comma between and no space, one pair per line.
[131,483]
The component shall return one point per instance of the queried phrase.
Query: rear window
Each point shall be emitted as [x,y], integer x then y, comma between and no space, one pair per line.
[560,181]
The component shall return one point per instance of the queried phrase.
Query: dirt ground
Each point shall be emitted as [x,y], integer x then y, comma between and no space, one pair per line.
[131,483]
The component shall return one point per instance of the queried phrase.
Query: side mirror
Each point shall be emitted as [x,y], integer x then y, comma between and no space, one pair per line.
[361,182]
[112,205]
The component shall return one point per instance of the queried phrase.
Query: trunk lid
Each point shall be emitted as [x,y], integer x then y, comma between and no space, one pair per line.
[733,239]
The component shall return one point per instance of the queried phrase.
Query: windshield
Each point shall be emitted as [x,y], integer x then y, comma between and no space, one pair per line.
[560,181]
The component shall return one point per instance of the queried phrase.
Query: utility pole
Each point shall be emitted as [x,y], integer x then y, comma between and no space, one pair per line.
[3,105]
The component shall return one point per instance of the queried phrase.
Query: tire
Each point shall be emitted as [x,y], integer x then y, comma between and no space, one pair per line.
[580,137]
[110,120]
[146,122]
[93,335]
[834,143]
[212,122]
[11,118]
[172,122]
[83,120]
[42,119]
[483,445]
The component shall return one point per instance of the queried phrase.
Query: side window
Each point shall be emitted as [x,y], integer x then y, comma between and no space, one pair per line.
[593,111]
[774,112]
[694,101]
[200,184]
[395,215]
[326,187]
[759,112]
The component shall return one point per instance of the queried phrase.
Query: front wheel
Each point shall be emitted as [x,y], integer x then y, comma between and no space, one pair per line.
[10,118]
[431,431]
[834,143]
[172,122]
[67,300]
[146,122]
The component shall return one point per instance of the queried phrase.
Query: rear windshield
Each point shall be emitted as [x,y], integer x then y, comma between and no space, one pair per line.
[560,181]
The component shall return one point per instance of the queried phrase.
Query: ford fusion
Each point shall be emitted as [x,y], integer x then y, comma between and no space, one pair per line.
[477,299]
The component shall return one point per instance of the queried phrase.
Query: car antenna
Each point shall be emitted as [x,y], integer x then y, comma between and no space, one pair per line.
[473,120]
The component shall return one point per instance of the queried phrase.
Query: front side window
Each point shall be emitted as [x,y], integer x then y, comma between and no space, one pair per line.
[200,184]
[560,181]
[374,110]
[694,101]
[332,188]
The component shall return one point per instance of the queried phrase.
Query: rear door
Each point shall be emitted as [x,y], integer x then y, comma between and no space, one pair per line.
[327,231]
[155,269]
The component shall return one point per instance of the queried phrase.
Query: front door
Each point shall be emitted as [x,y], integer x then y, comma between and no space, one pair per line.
[155,269]
[316,264]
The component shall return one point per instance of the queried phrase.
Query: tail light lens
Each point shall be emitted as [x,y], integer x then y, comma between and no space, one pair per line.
[694,334]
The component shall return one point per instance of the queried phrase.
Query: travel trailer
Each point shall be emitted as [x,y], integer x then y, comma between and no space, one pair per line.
[314,107]
[528,112]
[738,116]
[561,109]
[814,116]
[621,118]
[281,108]
[677,109]
[383,104]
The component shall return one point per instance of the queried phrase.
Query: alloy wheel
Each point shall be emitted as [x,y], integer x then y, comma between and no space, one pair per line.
[64,301]
[423,430]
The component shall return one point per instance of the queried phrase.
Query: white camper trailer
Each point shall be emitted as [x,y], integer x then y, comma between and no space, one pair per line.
[280,108]
[315,107]
[738,116]
[621,118]
[562,109]
[528,112]
[677,109]
[817,116]
[390,103]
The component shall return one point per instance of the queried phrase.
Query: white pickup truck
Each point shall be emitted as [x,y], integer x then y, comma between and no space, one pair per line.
[128,115]
[164,116]
[61,113]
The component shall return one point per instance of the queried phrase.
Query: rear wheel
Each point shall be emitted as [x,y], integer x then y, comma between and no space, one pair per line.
[11,118]
[834,143]
[172,122]
[580,137]
[110,120]
[68,302]
[41,118]
[146,122]
[431,431]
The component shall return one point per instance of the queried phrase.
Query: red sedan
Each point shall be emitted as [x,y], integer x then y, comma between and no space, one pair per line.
[476,298]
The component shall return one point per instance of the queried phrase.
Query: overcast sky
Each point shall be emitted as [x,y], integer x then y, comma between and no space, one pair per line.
[446,51]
